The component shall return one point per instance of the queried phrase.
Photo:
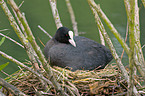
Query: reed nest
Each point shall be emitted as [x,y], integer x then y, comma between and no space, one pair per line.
[108,81]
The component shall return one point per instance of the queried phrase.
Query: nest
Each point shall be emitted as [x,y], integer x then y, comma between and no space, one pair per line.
[105,82]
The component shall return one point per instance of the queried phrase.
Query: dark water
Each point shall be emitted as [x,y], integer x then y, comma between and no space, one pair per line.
[38,12]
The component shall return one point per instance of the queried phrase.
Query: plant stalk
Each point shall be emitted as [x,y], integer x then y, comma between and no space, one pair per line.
[55,13]
[110,25]
[72,15]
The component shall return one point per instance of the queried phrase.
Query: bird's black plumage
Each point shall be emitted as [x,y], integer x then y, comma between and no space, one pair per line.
[87,54]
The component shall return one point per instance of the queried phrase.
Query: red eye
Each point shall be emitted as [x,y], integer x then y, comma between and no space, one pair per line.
[66,34]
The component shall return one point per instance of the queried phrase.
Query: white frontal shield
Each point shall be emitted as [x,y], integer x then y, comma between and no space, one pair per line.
[71,40]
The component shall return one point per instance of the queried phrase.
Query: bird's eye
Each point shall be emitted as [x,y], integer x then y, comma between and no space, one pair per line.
[66,35]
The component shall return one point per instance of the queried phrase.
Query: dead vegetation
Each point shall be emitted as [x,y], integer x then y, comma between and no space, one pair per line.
[108,81]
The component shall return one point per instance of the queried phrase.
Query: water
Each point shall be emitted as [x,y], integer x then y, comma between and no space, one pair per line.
[38,12]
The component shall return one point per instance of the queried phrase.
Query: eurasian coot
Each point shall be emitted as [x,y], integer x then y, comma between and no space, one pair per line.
[76,53]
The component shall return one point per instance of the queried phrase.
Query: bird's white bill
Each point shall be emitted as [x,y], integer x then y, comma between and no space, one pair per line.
[71,40]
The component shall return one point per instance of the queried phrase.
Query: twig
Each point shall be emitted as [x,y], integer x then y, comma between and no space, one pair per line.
[125,40]
[116,57]
[66,79]
[101,36]
[37,92]
[139,61]
[108,41]
[143,46]
[143,1]
[18,31]
[131,22]
[20,24]
[41,42]
[21,71]
[12,40]
[70,91]
[142,92]
[39,53]
[138,47]
[26,67]
[88,79]
[71,12]
[4,30]
[21,4]
[15,79]
[55,13]
[7,74]
[44,31]
[132,11]
[11,88]
[76,91]
[110,25]
[31,53]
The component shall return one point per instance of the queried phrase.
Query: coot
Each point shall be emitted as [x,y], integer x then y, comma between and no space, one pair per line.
[76,53]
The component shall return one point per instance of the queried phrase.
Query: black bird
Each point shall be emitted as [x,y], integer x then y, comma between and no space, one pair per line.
[78,53]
